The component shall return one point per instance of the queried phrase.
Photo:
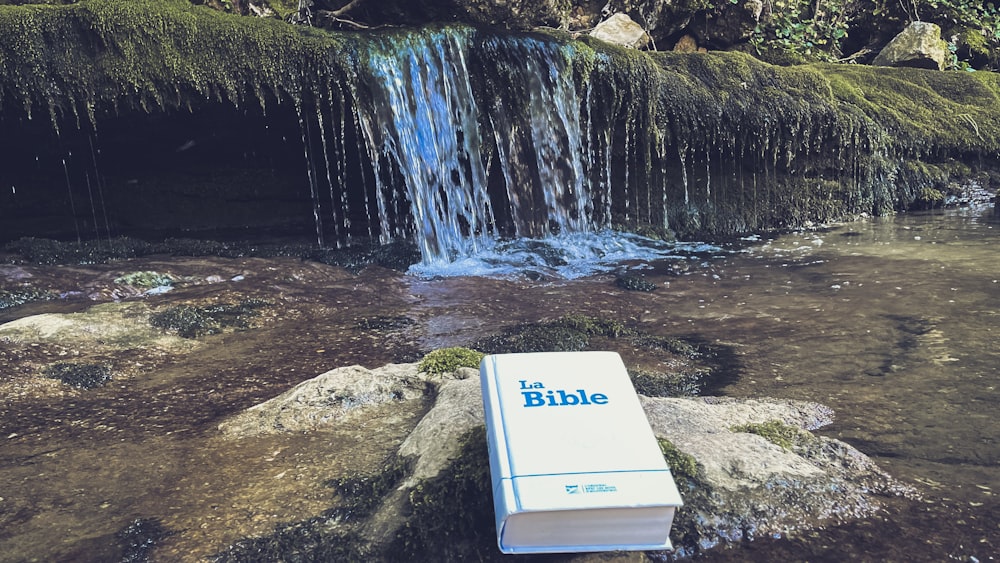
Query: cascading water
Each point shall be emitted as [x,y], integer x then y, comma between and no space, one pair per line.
[423,130]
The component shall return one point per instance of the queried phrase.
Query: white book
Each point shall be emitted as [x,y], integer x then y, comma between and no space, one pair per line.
[575,465]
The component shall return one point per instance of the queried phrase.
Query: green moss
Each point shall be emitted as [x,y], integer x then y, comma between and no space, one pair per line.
[776,432]
[682,465]
[151,54]
[447,360]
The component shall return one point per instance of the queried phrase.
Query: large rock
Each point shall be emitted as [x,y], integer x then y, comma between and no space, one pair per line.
[335,396]
[743,483]
[919,45]
[621,30]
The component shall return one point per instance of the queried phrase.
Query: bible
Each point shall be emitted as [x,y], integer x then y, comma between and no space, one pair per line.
[575,466]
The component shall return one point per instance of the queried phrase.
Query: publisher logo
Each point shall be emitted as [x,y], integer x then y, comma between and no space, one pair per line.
[590,488]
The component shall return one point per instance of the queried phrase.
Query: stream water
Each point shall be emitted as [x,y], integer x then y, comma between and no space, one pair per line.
[892,322]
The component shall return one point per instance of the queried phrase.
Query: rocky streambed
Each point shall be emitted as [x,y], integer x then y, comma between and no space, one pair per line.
[245,408]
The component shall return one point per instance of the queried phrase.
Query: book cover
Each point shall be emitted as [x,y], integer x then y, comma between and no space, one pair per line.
[574,463]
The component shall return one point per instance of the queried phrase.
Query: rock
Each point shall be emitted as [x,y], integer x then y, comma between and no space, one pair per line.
[335,396]
[742,484]
[434,442]
[747,484]
[662,19]
[621,30]
[746,481]
[109,326]
[919,46]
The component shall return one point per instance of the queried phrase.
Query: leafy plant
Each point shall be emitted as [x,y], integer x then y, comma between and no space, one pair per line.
[812,30]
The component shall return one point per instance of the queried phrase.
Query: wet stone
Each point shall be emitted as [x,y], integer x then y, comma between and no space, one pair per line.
[634,283]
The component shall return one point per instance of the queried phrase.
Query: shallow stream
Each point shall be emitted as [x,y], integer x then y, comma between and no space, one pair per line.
[892,322]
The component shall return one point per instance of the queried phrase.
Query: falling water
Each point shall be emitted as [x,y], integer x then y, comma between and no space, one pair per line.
[424,129]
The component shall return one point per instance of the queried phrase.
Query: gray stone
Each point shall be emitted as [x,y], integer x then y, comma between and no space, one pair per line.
[335,396]
[744,484]
[621,30]
[919,45]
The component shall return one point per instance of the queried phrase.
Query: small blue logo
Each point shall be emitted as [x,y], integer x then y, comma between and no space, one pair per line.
[572,489]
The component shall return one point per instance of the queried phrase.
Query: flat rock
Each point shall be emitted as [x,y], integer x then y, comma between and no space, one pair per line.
[337,395]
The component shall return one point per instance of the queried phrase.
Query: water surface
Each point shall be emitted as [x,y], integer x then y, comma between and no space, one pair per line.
[891,322]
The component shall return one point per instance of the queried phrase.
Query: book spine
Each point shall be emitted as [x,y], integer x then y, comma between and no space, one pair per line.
[504,500]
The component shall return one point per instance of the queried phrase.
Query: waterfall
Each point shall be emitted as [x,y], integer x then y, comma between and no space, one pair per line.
[424,129]
[423,125]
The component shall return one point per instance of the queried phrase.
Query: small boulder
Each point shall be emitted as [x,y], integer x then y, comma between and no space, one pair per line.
[621,30]
[328,399]
[918,46]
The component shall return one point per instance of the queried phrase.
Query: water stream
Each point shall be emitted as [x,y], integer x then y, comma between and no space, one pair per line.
[891,322]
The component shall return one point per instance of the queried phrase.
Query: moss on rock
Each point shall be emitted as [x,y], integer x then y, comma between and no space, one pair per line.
[447,360]
[777,432]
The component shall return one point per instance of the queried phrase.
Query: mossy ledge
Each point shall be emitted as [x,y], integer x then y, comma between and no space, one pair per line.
[715,143]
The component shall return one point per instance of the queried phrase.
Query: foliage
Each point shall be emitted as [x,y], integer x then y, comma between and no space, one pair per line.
[812,30]
[447,360]
[805,30]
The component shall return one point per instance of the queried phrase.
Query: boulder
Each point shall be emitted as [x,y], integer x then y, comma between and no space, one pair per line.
[919,46]
[739,482]
[336,396]
[621,30]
